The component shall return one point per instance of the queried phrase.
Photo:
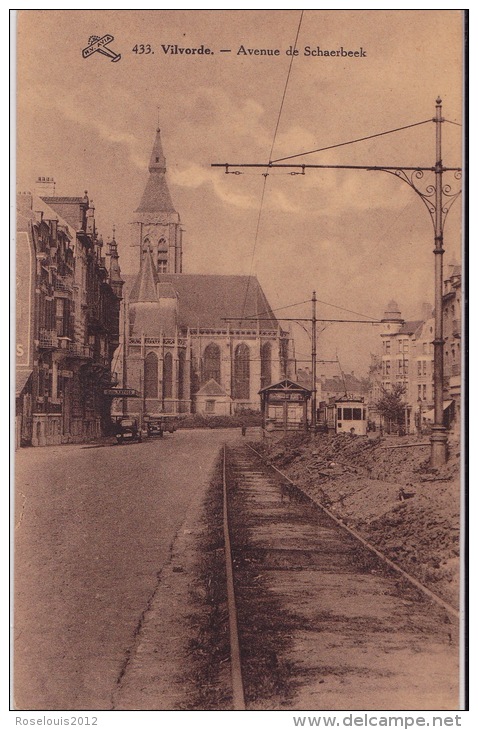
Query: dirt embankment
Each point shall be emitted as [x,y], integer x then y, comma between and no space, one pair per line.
[389,495]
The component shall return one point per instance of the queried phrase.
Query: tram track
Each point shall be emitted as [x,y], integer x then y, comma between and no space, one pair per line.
[299,583]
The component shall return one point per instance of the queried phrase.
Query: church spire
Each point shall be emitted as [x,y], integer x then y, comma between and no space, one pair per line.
[157,162]
[156,197]
[144,288]
[156,226]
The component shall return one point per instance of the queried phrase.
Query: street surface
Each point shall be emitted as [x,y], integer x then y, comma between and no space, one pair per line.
[94,528]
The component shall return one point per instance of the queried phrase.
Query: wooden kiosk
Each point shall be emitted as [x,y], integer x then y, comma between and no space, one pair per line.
[284,406]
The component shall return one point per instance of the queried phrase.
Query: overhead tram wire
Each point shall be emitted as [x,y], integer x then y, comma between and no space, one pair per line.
[353,141]
[270,156]
[306,301]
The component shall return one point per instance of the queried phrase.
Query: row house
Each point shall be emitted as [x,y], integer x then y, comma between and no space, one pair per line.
[68,303]
[452,333]
[408,358]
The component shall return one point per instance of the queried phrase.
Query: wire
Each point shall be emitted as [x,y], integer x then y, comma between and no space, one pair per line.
[353,141]
[255,244]
[266,174]
[351,311]
[450,122]
[286,84]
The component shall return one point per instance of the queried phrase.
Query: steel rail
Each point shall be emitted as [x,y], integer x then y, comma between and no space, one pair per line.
[450,609]
[238,700]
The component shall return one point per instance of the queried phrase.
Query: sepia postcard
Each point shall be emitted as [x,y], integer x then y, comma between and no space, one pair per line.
[240,305]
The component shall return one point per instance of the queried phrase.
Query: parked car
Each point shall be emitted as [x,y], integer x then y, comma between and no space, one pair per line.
[160,425]
[128,430]
[155,428]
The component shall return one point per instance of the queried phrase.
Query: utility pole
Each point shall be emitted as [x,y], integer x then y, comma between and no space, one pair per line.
[439,436]
[438,200]
[314,362]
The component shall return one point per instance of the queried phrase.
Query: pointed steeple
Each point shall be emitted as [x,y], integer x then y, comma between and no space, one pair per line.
[157,162]
[115,280]
[144,288]
[156,197]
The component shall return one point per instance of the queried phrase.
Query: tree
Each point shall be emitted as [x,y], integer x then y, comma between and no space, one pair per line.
[391,405]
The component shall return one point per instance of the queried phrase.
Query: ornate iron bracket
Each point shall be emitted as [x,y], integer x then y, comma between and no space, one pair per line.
[429,194]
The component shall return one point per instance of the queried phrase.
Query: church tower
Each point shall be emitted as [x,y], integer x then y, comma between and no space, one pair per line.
[157,226]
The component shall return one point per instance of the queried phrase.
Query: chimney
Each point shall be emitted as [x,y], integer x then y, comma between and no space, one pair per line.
[45,187]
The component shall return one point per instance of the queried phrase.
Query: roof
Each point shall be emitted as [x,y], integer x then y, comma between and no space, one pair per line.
[156,197]
[144,288]
[286,384]
[212,387]
[70,209]
[410,328]
[206,299]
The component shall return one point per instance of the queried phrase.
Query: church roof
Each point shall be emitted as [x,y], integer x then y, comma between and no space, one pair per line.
[144,287]
[156,197]
[212,387]
[206,299]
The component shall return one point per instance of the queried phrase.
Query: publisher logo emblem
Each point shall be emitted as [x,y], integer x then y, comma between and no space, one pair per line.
[100,45]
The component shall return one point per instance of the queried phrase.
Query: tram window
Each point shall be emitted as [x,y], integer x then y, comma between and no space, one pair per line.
[347,414]
[339,414]
[357,414]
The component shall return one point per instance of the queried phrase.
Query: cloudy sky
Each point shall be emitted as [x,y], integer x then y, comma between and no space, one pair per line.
[358,238]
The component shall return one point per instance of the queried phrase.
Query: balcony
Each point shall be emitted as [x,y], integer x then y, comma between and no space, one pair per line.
[456,327]
[74,349]
[62,287]
[47,340]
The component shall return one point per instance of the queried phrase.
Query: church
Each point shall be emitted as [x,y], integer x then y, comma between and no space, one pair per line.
[191,343]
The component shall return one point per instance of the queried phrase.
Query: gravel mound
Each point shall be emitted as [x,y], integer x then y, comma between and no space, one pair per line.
[385,489]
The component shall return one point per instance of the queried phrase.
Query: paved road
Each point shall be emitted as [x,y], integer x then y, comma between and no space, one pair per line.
[93,529]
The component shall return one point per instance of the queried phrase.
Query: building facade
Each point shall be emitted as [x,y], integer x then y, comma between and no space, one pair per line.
[452,354]
[201,343]
[407,360]
[73,321]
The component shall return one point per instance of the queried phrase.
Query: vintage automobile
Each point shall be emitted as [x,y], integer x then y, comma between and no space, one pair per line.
[157,426]
[127,429]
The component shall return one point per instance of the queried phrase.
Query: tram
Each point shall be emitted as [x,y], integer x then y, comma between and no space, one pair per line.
[343,415]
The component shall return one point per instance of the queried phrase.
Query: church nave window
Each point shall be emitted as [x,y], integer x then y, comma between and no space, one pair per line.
[241,372]
[266,367]
[151,376]
[212,364]
[168,376]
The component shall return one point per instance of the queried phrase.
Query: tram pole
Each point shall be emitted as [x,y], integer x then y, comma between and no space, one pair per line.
[438,200]
[314,362]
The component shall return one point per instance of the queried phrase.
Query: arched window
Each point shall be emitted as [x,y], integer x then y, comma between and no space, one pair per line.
[181,373]
[212,363]
[168,376]
[162,263]
[266,369]
[146,245]
[241,372]
[151,376]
